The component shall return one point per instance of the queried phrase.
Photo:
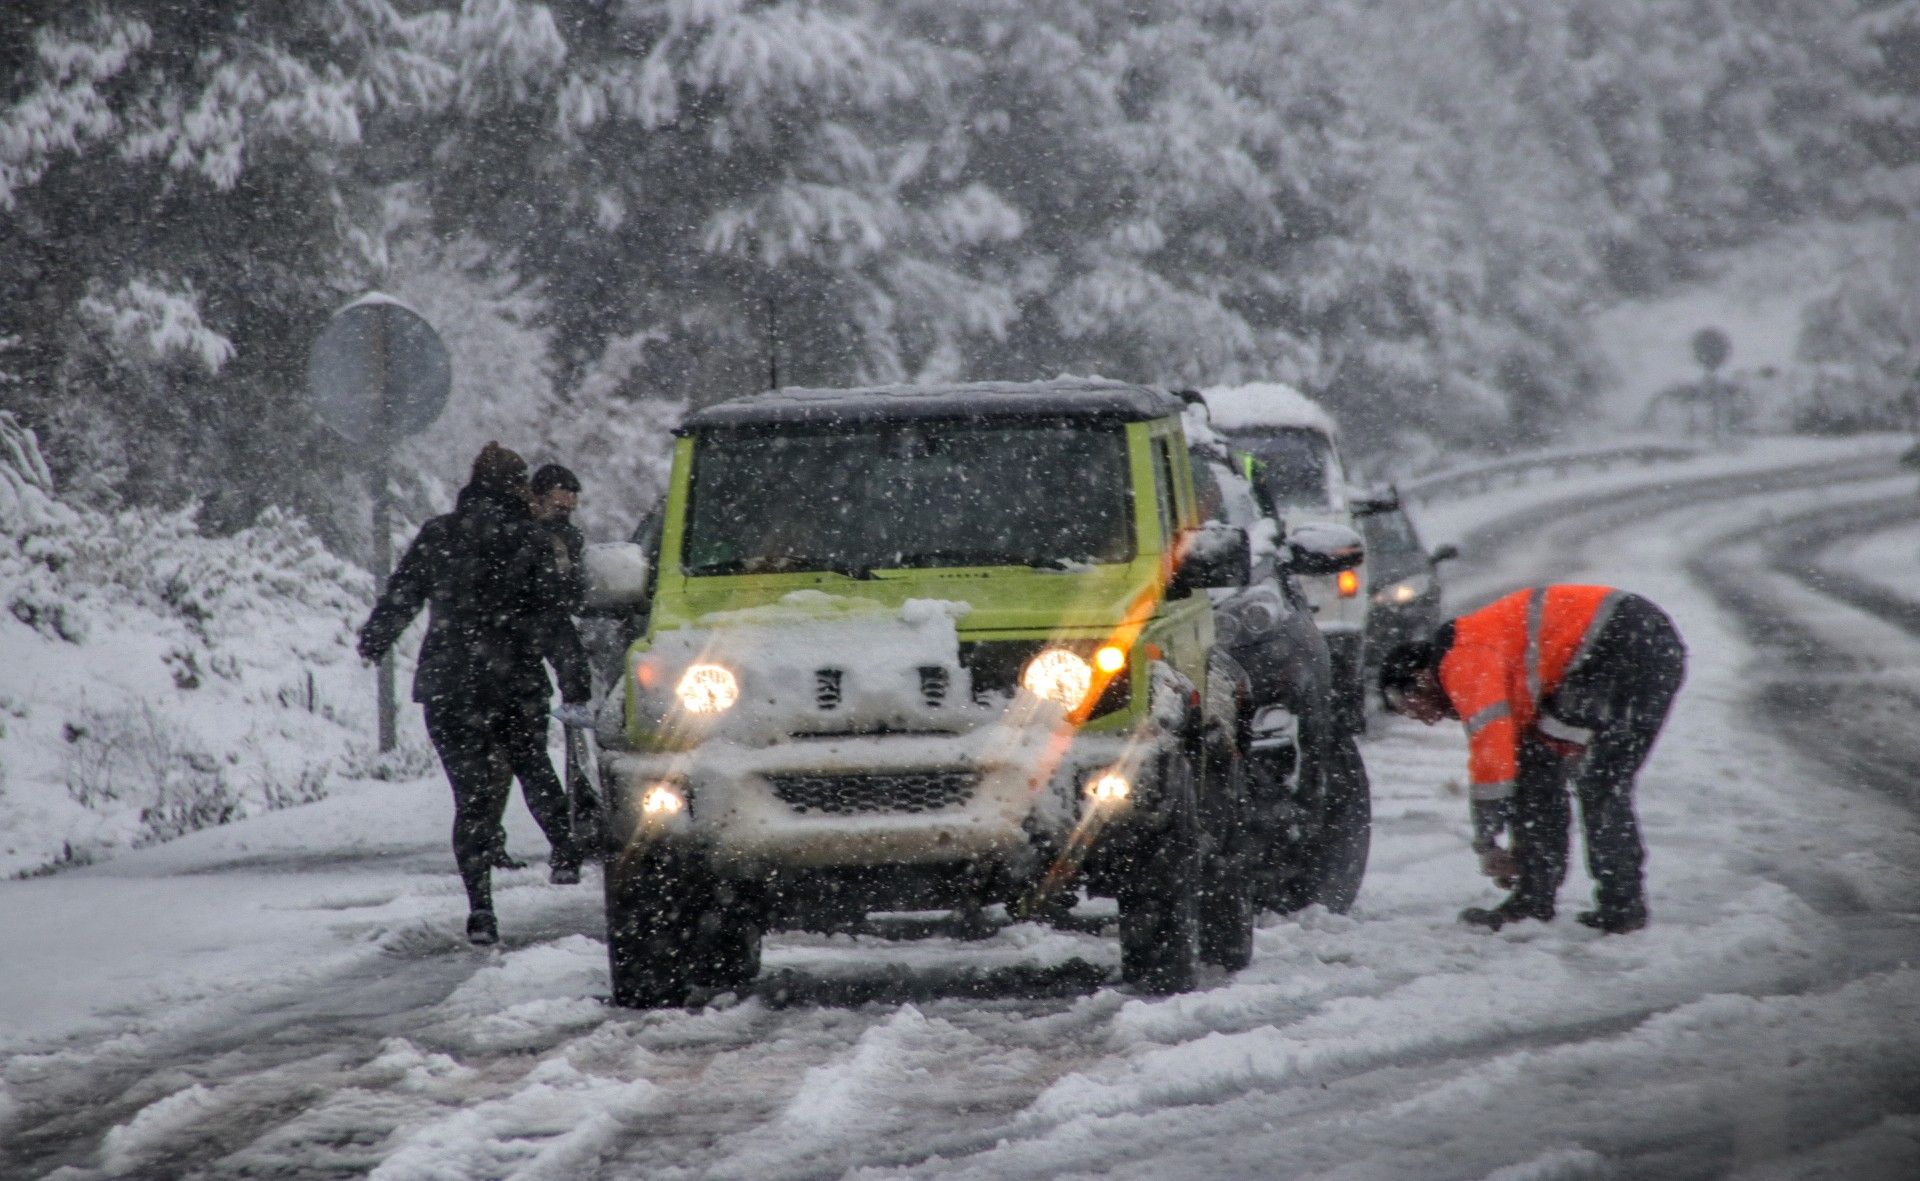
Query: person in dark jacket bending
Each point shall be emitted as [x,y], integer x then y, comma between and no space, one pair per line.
[488,581]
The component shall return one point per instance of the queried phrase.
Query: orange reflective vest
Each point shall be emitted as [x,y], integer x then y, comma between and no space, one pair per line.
[1506,659]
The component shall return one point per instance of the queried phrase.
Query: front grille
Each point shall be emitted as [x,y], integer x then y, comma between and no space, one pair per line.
[891,791]
[994,667]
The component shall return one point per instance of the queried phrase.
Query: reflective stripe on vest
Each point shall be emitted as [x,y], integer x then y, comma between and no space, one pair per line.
[1595,626]
[1488,717]
[1536,619]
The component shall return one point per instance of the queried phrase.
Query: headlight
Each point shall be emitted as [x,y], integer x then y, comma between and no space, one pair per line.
[1401,593]
[1058,676]
[707,689]
[663,799]
[1109,787]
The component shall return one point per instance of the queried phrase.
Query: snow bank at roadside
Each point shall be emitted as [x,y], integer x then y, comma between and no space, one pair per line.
[154,680]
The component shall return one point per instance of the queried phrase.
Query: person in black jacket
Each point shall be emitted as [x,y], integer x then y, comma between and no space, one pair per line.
[555,494]
[489,583]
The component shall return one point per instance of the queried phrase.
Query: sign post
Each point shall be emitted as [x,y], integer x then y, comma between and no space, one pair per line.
[1711,348]
[378,373]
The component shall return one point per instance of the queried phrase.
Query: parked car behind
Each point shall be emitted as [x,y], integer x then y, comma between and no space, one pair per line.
[1311,824]
[1403,587]
[1295,446]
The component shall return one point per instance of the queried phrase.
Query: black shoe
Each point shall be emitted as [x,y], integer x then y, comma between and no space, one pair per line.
[565,875]
[482,930]
[1510,911]
[505,860]
[1614,921]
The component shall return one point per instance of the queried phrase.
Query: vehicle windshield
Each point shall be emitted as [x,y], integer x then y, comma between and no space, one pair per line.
[1393,549]
[1293,464]
[892,495]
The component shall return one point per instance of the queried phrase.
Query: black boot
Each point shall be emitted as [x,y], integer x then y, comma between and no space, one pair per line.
[1614,920]
[482,930]
[564,875]
[505,860]
[1512,910]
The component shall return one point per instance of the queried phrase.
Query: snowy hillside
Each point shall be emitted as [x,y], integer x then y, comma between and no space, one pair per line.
[158,681]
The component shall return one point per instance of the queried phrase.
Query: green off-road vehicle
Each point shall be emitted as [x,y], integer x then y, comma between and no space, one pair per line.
[925,648]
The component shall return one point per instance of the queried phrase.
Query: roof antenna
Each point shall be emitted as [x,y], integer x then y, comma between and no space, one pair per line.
[773,344]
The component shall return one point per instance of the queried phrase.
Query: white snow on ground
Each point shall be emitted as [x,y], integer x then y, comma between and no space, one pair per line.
[1888,558]
[291,998]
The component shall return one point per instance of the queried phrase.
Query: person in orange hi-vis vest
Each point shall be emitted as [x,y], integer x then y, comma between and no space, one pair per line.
[1553,683]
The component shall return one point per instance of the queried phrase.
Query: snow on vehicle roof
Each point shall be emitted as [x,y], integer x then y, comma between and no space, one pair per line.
[1064,396]
[1266,403]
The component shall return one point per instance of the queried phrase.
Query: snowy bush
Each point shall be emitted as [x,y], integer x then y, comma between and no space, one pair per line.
[59,563]
[131,760]
[176,680]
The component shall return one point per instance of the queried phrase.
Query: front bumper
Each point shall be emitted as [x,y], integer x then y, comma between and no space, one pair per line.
[806,803]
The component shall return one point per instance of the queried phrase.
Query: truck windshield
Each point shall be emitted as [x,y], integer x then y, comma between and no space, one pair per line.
[1293,464]
[886,496]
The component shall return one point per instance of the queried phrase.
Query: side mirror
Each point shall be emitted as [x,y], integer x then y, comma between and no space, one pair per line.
[1321,547]
[616,578]
[1214,555]
[1376,502]
[1444,553]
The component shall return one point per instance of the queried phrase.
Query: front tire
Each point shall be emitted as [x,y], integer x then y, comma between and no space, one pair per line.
[1338,859]
[1159,913]
[671,925]
[1226,906]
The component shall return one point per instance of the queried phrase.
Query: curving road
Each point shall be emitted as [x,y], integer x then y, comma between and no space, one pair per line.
[1763,1027]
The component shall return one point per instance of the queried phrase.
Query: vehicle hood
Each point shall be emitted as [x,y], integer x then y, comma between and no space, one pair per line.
[996,600]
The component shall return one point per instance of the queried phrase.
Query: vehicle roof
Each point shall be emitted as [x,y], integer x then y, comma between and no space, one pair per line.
[1267,404]
[1063,397]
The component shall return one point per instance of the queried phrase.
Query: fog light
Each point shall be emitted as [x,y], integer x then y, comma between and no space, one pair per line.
[1108,787]
[1110,659]
[662,800]
[1349,583]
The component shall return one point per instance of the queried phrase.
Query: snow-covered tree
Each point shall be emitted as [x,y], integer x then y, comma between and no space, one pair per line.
[1863,339]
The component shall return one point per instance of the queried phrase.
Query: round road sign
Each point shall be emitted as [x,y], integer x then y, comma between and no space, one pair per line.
[379,372]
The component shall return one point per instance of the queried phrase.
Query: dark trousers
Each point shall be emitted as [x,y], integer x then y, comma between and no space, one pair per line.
[484,746]
[1621,690]
[584,802]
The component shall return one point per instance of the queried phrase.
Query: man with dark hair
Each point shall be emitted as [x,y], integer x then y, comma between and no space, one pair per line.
[1553,683]
[554,492]
[488,581]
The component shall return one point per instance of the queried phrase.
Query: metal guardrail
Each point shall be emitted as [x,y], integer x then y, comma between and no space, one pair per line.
[1519,469]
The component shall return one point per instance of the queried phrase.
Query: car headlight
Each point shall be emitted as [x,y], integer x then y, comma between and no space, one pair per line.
[1401,593]
[707,689]
[1059,676]
[1110,787]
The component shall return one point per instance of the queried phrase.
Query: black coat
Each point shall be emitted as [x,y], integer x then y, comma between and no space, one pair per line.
[487,577]
[560,638]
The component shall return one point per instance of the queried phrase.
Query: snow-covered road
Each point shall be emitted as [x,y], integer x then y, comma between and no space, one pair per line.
[286,997]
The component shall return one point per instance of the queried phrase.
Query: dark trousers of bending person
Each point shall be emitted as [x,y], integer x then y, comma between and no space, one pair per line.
[1609,709]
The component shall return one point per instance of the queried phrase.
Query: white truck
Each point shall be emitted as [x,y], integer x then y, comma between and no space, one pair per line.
[1293,448]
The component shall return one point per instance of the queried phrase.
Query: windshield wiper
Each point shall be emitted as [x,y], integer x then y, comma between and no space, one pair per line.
[926,558]
[777,566]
